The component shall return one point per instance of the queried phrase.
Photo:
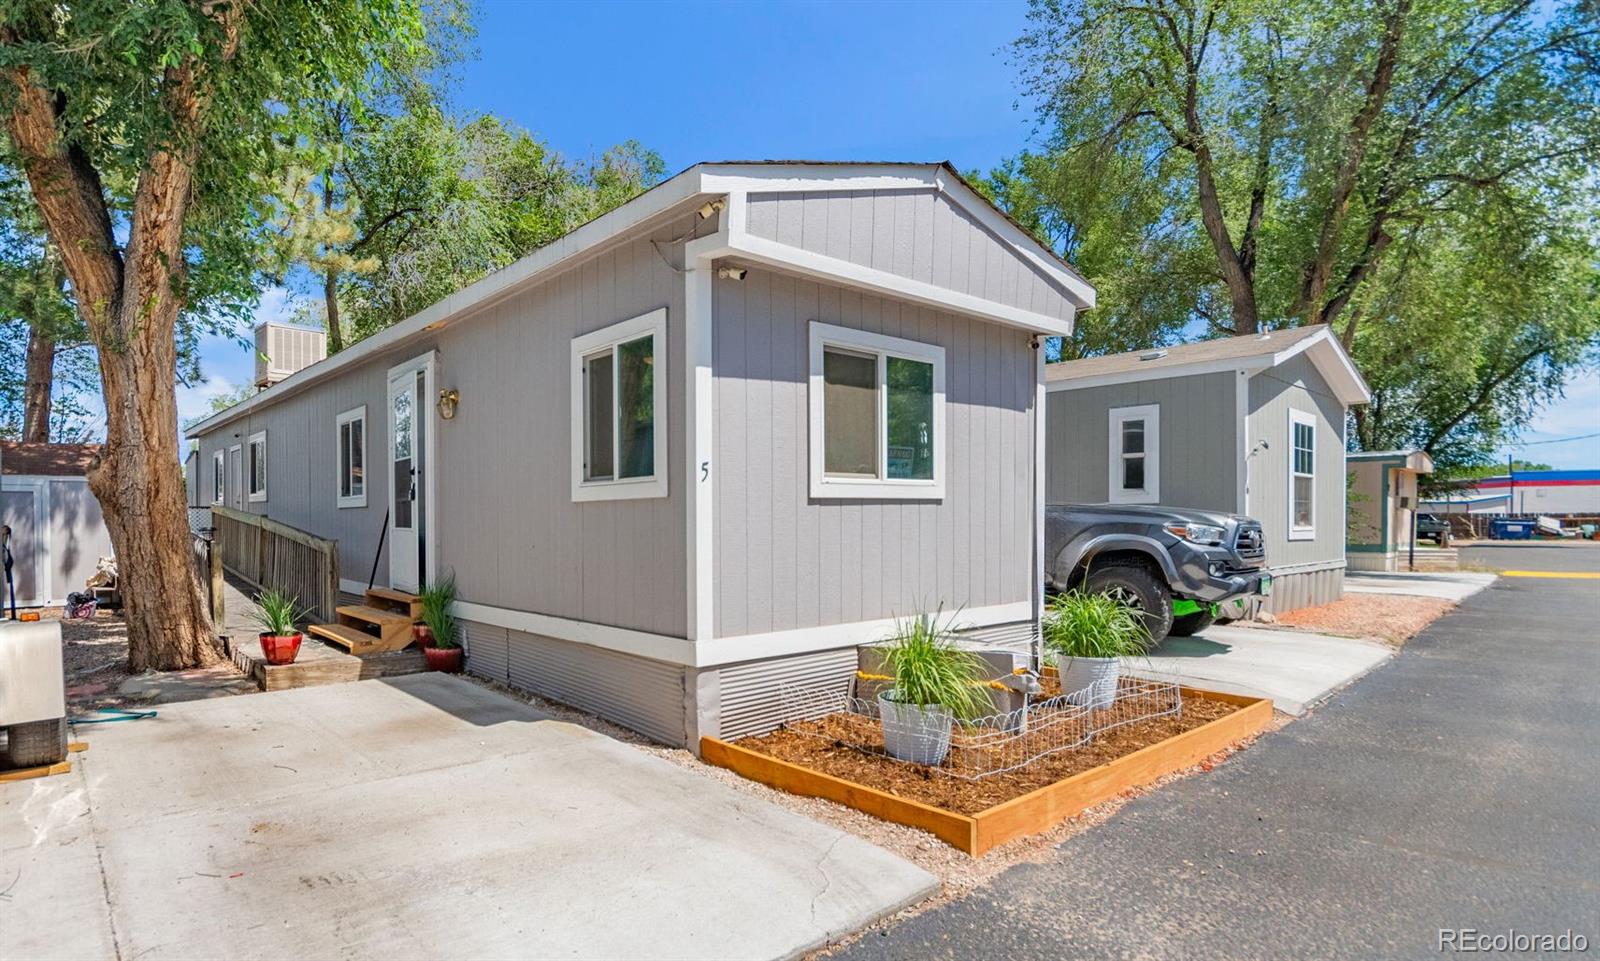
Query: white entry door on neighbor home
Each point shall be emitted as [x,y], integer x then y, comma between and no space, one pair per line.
[407,476]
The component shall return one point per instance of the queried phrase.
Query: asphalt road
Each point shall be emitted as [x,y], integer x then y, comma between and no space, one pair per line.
[1569,555]
[1456,787]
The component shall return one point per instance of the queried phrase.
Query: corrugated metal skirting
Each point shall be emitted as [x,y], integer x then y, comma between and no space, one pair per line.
[640,694]
[750,701]
[1304,589]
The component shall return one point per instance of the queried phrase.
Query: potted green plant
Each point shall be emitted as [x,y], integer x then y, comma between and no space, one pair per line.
[1089,634]
[443,647]
[277,614]
[935,684]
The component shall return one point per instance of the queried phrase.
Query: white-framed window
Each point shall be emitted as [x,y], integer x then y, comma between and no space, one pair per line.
[350,432]
[877,416]
[1302,476]
[1135,455]
[219,473]
[256,466]
[619,410]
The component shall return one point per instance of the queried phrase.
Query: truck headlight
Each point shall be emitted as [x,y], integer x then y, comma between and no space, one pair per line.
[1197,533]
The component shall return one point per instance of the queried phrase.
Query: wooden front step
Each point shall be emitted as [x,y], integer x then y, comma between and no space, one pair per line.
[389,599]
[354,640]
[391,630]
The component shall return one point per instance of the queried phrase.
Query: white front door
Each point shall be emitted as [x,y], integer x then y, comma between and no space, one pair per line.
[406,477]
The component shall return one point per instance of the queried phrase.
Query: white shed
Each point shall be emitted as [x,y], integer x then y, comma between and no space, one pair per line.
[57,532]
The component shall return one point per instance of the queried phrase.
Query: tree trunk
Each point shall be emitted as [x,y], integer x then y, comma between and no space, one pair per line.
[330,297]
[40,378]
[126,298]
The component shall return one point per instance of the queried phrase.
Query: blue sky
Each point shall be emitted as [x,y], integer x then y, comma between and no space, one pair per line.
[917,81]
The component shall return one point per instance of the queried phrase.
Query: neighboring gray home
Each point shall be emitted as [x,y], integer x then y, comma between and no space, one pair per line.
[1250,425]
[706,443]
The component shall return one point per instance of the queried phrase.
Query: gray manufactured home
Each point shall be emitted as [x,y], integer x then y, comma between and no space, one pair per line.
[704,444]
[1251,425]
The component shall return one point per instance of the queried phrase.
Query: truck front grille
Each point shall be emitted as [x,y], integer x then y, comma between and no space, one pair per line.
[1249,543]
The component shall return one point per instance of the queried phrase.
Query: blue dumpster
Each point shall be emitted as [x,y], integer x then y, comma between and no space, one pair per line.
[1507,529]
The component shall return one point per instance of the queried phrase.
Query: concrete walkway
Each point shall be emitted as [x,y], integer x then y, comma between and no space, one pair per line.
[412,817]
[1454,788]
[1450,586]
[1293,668]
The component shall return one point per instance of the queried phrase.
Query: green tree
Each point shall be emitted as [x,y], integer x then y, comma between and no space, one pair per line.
[185,103]
[1417,175]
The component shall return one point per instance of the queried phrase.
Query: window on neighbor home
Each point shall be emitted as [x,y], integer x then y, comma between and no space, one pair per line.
[218,472]
[1302,475]
[619,445]
[257,464]
[1135,455]
[352,437]
[877,415]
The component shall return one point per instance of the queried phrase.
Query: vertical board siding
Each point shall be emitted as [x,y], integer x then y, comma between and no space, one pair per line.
[505,521]
[302,464]
[1296,384]
[917,233]
[784,561]
[78,535]
[1198,463]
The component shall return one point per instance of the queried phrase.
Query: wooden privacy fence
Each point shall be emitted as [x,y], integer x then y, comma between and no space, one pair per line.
[273,555]
[208,569]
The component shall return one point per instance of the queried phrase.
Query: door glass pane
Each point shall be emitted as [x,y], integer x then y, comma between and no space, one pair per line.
[910,419]
[358,483]
[599,417]
[850,414]
[344,459]
[636,449]
[403,452]
[402,424]
[1302,502]
[402,493]
[1133,437]
[258,467]
[1133,473]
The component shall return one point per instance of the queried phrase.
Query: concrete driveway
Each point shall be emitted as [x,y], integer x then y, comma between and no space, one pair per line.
[416,817]
[1446,585]
[1294,668]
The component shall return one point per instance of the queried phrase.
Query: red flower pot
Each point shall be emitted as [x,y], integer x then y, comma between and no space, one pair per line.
[422,636]
[446,659]
[281,648]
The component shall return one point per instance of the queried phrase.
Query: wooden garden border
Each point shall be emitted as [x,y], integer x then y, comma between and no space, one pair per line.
[1031,813]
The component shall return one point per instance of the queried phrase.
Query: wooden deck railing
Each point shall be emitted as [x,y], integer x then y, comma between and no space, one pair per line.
[273,555]
[207,557]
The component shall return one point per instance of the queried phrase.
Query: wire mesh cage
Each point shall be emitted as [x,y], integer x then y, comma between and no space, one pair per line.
[979,748]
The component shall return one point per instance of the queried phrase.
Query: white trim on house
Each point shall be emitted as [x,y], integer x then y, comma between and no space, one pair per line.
[251,461]
[654,326]
[1040,447]
[881,347]
[1241,432]
[1150,493]
[1298,418]
[219,477]
[722,650]
[781,256]
[341,499]
[700,421]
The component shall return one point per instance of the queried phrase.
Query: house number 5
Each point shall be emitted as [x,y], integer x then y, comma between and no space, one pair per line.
[705,470]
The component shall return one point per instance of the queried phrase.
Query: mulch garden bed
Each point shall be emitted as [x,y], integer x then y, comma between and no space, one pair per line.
[831,755]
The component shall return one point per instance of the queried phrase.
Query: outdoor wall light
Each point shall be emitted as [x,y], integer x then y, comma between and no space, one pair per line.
[448,399]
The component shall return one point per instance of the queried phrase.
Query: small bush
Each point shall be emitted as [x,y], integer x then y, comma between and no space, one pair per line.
[438,611]
[930,669]
[277,613]
[1079,624]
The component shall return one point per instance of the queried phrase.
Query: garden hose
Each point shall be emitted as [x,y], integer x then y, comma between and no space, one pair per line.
[118,714]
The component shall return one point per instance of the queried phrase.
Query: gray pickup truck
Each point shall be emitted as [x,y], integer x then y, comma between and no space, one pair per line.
[1175,565]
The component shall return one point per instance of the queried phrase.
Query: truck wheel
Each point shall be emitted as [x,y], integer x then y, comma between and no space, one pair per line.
[36,743]
[1191,624]
[1132,583]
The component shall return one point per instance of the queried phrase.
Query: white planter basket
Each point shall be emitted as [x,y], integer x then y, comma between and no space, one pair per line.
[1089,681]
[913,733]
